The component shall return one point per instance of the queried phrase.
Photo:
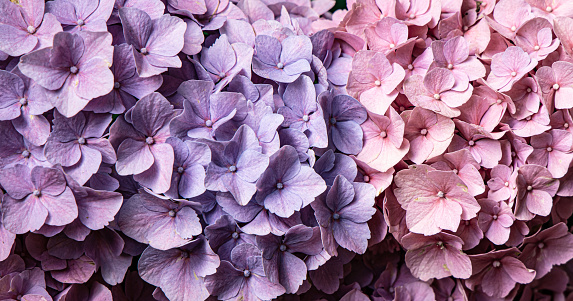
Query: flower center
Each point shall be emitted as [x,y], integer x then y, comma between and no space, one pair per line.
[528,118]
[391,290]
[412,16]
[235,235]
[37,193]
[555,86]
[383,134]
[440,244]
[494,217]
[513,74]
[143,51]
[23,101]
[496,264]
[437,96]
[549,149]
[465,28]
[81,22]
[332,120]
[232,168]
[471,143]
[116,85]
[82,140]
[335,216]
[74,69]
[366,178]
[549,9]
[455,171]
[529,90]
[283,248]
[506,184]
[529,188]
[305,118]
[172,213]
[280,65]
[378,83]
[280,185]
[410,67]
[31,29]
[450,66]
[247,273]
[536,47]
[541,245]
[499,101]
[392,45]
[402,109]
[208,123]
[513,28]
[566,125]
[222,74]
[423,131]
[26,154]
[180,169]
[149,140]
[441,194]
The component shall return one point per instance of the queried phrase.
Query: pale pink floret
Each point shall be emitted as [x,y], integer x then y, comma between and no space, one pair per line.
[536,38]
[502,184]
[535,190]
[562,120]
[495,219]
[486,107]
[509,16]
[384,143]
[526,94]
[483,145]
[531,125]
[509,67]
[563,28]
[373,80]
[434,92]
[454,55]
[418,12]
[463,164]
[429,134]
[550,9]
[434,200]
[386,35]
[553,150]
[557,84]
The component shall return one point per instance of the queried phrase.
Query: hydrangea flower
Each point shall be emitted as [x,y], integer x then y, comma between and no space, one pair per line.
[434,200]
[303,112]
[342,213]
[224,60]
[15,149]
[188,264]
[155,43]
[555,82]
[141,144]
[462,163]
[282,60]
[76,144]
[384,143]
[502,184]
[35,197]
[374,80]
[236,165]
[437,256]
[75,69]
[24,28]
[535,189]
[82,15]
[552,149]
[287,186]
[508,67]
[495,219]
[429,134]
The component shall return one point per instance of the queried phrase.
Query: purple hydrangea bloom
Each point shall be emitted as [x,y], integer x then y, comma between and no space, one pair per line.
[205,112]
[128,86]
[35,197]
[303,112]
[23,101]
[159,222]
[243,277]
[15,149]
[287,186]
[224,235]
[24,27]
[191,158]
[84,15]
[344,115]
[342,213]
[155,43]
[141,144]
[76,144]
[74,71]
[26,285]
[281,265]
[283,61]
[236,165]
[188,264]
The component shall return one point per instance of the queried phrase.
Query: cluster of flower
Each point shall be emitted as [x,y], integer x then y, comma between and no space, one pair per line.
[246,150]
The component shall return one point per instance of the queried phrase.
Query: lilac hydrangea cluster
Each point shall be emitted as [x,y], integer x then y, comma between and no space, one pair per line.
[261,149]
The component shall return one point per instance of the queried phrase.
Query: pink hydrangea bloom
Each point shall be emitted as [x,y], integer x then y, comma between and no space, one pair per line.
[556,83]
[434,200]
[429,134]
[535,190]
[552,149]
[508,67]
[502,184]
[495,219]
[509,16]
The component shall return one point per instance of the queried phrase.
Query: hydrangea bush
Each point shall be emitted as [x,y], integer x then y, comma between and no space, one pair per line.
[188,150]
